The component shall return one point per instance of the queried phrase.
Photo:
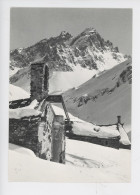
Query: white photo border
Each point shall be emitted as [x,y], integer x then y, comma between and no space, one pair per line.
[15,188]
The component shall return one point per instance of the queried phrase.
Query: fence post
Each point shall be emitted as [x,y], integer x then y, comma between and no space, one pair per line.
[58,140]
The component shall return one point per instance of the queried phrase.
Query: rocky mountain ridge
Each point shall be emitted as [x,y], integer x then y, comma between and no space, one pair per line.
[64,52]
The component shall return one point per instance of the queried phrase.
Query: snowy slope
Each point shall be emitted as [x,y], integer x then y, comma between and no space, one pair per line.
[62,81]
[16,93]
[101,99]
[84,163]
[59,81]
[22,79]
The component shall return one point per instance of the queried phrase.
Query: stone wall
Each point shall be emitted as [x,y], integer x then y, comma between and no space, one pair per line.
[58,141]
[108,142]
[45,133]
[39,81]
[24,132]
[41,134]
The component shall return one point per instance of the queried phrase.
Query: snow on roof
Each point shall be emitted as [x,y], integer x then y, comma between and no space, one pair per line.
[60,111]
[88,129]
[24,111]
[124,137]
[81,127]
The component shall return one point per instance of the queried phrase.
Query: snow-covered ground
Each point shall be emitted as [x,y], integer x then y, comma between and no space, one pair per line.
[85,162]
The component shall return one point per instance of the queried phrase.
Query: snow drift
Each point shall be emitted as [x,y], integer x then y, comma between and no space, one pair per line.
[84,163]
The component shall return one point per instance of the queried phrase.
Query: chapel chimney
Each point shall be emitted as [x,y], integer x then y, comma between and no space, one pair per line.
[39,85]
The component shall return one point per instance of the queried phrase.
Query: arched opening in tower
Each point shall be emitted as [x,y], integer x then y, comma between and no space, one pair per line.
[46,77]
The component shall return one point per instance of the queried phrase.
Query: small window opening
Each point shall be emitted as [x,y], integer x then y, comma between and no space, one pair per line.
[46,78]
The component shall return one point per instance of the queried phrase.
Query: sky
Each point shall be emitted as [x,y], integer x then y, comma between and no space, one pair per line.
[30,25]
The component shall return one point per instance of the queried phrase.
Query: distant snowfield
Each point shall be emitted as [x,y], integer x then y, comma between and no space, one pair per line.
[62,81]
[59,81]
[84,163]
[16,93]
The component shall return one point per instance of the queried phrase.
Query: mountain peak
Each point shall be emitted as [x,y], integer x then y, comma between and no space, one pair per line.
[88,49]
[65,35]
[89,31]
